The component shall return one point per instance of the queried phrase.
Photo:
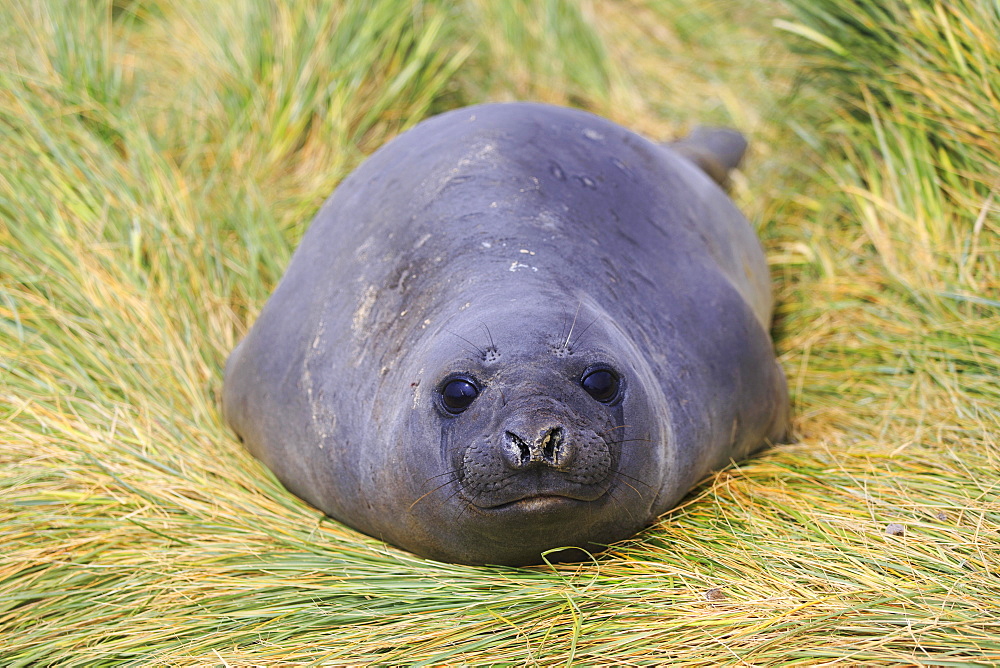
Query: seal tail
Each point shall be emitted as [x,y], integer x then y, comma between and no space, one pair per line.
[717,151]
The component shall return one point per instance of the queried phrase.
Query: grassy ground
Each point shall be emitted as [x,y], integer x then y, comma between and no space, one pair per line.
[159,161]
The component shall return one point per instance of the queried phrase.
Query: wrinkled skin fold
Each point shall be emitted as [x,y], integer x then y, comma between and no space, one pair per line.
[514,328]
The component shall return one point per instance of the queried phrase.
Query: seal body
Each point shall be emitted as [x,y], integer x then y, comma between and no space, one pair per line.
[515,328]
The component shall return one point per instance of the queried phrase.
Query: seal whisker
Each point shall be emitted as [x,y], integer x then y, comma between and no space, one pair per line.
[489,335]
[580,337]
[451,496]
[607,432]
[423,496]
[623,440]
[637,492]
[619,504]
[475,348]
[452,472]
[634,479]
[633,440]
[465,506]
[573,324]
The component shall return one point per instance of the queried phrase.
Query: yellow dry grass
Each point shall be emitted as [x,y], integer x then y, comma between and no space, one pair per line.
[159,161]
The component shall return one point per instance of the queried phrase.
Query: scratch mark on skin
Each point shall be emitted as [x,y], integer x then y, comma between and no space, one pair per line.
[322,418]
[359,323]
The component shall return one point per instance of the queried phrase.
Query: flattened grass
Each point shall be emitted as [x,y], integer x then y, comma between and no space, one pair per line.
[158,163]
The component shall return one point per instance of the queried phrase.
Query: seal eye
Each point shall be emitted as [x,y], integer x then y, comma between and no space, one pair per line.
[601,384]
[458,394]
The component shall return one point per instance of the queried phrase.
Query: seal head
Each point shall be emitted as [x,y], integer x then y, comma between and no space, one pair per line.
[514,329]
[534,449]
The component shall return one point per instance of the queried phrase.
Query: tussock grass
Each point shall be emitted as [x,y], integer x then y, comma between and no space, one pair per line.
[158,163]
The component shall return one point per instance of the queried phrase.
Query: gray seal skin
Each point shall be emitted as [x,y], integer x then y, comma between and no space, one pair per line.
[514,328]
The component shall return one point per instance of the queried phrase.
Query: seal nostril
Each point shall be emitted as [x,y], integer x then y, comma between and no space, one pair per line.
[548,450]
[552,445]
[519,452]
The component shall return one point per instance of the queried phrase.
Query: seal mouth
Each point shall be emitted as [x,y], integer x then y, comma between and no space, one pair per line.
[538,503]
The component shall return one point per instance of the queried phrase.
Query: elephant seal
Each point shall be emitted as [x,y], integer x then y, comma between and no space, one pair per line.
[514,328]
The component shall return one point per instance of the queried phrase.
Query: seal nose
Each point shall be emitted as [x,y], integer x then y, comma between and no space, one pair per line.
[549,449]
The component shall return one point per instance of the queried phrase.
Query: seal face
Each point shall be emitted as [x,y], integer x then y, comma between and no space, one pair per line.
[515,328]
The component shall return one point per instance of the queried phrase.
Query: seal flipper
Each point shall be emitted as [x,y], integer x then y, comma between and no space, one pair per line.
[717,151]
